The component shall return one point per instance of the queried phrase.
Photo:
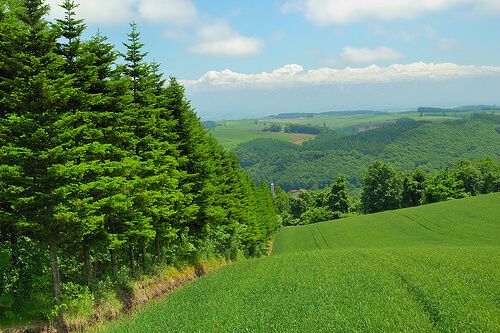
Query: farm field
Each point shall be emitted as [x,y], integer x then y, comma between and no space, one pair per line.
[231,132]
[434,268]
[230,138]
[344,123]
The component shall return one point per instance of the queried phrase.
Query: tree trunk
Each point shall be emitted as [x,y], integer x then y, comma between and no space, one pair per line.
[144,255]
[56,282]
[114,263]
[158,250]
[87,266]
[132,261]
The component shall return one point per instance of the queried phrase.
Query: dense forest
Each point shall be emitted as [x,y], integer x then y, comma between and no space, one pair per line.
[105,170]
[406,145]
[383,188]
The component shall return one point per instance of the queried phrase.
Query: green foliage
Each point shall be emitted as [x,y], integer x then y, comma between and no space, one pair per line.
[306,129]
[381,190]
[258,150]
[407,146]
[104,166]
[272,128]
[423,269]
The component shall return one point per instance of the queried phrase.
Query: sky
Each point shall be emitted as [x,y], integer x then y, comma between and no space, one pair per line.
[249,59]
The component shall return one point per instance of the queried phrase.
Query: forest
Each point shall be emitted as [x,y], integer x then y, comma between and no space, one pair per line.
[405,145]
[106,172]
[383,188]
[108,176]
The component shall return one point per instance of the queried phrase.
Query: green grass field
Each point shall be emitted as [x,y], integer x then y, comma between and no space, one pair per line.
[231,132]
[230,138]
[434,268]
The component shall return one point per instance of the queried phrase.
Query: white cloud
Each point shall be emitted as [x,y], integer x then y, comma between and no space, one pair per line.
[219,40]
[491,5]
[109,12]
[295,75]
[332,12]
[171,12]
[366,55]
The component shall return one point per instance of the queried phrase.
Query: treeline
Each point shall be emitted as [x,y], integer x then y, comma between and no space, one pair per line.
[294,128]
[305,129]
[406,145]
[105,170]
[291,115]
[383,188]
[446,111]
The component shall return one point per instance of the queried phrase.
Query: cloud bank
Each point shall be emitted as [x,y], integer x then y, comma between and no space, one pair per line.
[295,76]
[335,12]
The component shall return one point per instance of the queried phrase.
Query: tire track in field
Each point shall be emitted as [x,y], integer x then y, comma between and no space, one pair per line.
[435,316]
[314,238]
[323,237]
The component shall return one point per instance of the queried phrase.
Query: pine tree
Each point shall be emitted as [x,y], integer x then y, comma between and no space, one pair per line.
[71,29]
[36,92]
[135,67]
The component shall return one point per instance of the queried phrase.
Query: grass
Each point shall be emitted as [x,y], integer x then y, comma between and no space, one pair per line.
[231,132]
[434,268]
[230,138]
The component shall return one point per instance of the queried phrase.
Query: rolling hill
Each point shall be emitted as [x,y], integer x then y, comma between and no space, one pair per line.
[405,145]
[434,268]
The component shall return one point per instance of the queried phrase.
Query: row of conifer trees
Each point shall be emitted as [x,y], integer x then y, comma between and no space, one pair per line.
[104,164]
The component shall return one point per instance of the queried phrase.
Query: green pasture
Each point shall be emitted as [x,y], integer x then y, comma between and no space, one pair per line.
[467,222]
[345,122]
[229,134]
[230,138]
[434,268]
[242,124]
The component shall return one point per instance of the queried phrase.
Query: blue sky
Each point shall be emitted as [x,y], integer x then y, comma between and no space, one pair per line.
[250,58]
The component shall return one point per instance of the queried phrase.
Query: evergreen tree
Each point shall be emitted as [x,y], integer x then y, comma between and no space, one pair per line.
[38,91]
[71,29]
[135,67]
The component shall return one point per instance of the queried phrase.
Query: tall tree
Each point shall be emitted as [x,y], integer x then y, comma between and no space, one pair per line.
[381,190]
[413,191]
[38,92]
[135,67]
[338,196]
[71,29]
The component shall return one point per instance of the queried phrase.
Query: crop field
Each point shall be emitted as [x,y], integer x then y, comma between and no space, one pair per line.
[230,138]
[434,268]
[231,132]
[346,123]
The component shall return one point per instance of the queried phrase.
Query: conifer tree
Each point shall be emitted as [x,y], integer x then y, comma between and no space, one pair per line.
[71,29]
[38,90]
[135,67]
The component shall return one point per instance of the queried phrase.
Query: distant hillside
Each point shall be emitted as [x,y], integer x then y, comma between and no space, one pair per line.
[406,145]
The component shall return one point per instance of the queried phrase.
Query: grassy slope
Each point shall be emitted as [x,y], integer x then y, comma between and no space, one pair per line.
[434,268]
